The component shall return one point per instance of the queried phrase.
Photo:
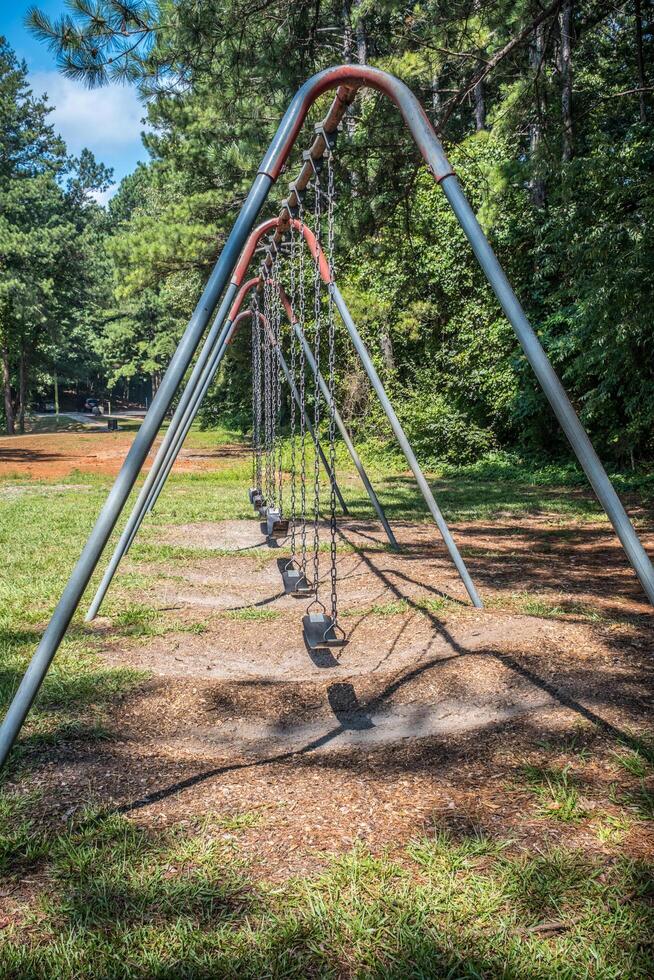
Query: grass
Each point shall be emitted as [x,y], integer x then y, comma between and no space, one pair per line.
[116,900]
[556,791]
[252,613]
[104,896]
[112,900]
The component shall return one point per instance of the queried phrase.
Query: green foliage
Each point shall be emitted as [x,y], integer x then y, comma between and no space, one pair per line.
[573,230]
[51,259]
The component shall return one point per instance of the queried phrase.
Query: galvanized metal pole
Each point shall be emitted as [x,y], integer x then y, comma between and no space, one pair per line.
[142,505]
[398,432]
[552,387]
[312,432]
[139,509]
[63,613]
[189,416]
[308,353]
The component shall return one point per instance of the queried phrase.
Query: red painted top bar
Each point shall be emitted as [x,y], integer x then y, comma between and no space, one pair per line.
[348,76]
[248,252]
[245,288]
[249,247]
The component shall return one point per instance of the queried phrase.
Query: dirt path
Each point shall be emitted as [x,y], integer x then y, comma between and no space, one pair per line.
[426,718]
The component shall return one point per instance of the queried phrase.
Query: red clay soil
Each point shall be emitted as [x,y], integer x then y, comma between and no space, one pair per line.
[56,455]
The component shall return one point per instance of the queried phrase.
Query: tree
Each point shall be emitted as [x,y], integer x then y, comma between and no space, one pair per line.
[557,162]
[49,227]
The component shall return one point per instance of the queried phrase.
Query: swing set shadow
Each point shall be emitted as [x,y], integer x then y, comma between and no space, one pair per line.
[353,714]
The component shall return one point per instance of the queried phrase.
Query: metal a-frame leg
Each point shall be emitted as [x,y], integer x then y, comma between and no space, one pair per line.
[399,434]
[374,499]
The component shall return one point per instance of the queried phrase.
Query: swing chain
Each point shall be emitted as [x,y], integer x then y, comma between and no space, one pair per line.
[258,387]
[317,215]
[293,373]
[277,328]
[253,355]
[331,385]
[267,394]
[303,420]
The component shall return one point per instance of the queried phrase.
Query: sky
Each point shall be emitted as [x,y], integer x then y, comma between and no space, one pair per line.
[106,120]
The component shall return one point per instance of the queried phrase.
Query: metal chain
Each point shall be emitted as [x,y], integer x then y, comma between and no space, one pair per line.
[293,372]
[277,332]
[331,384]
[253,369]
[267,394]
[317,324]
[258,387]
[303,418]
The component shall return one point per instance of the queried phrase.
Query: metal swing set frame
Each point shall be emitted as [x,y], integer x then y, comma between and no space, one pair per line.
[222,290]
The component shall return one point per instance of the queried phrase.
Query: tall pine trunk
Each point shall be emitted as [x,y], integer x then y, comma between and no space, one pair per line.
[480,106]
[566,79]
[22,390]
[537,184]
[436,103]
[640,60]
[6,385]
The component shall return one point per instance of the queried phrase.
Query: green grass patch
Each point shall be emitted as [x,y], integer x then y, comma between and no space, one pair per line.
[252,613]
[116,900]
[556,791]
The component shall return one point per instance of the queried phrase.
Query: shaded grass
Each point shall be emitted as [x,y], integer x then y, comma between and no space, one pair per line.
[556,791]
[115,900]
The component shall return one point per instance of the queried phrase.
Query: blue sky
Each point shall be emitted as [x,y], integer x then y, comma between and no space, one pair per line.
[106,120]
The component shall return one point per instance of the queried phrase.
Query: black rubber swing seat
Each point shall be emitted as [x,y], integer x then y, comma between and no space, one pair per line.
[295,583]
[259,503]
[319,631]
[252,493]
[277,526]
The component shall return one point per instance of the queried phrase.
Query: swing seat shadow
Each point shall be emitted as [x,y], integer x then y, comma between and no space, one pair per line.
[321,656]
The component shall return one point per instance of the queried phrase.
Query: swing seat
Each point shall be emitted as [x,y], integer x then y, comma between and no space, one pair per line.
[259,503]
[295,583]
[277,526]
[253,492]
[319,632]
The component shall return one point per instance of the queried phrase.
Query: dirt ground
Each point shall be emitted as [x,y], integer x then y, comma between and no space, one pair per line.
[424,719]
[55,455]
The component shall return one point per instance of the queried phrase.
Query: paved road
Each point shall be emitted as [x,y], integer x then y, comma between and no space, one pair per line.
[93,421]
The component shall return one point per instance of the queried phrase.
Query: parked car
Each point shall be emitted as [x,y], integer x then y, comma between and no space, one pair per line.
[93,406]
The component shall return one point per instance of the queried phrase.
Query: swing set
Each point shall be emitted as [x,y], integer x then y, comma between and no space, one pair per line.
[288,241]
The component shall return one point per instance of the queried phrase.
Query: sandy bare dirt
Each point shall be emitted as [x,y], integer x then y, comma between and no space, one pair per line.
[51,456]
[425,718]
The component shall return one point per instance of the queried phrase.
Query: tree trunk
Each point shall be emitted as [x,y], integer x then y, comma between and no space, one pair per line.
[640,61]
[361,37]
[22,390]
[386,345]
[480,107]
[56,394]
[436,98]
[566,79]
[6,385]
[537,184]
[347,33]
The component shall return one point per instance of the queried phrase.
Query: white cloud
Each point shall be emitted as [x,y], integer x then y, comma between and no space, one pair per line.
[105,120]
[102,197]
